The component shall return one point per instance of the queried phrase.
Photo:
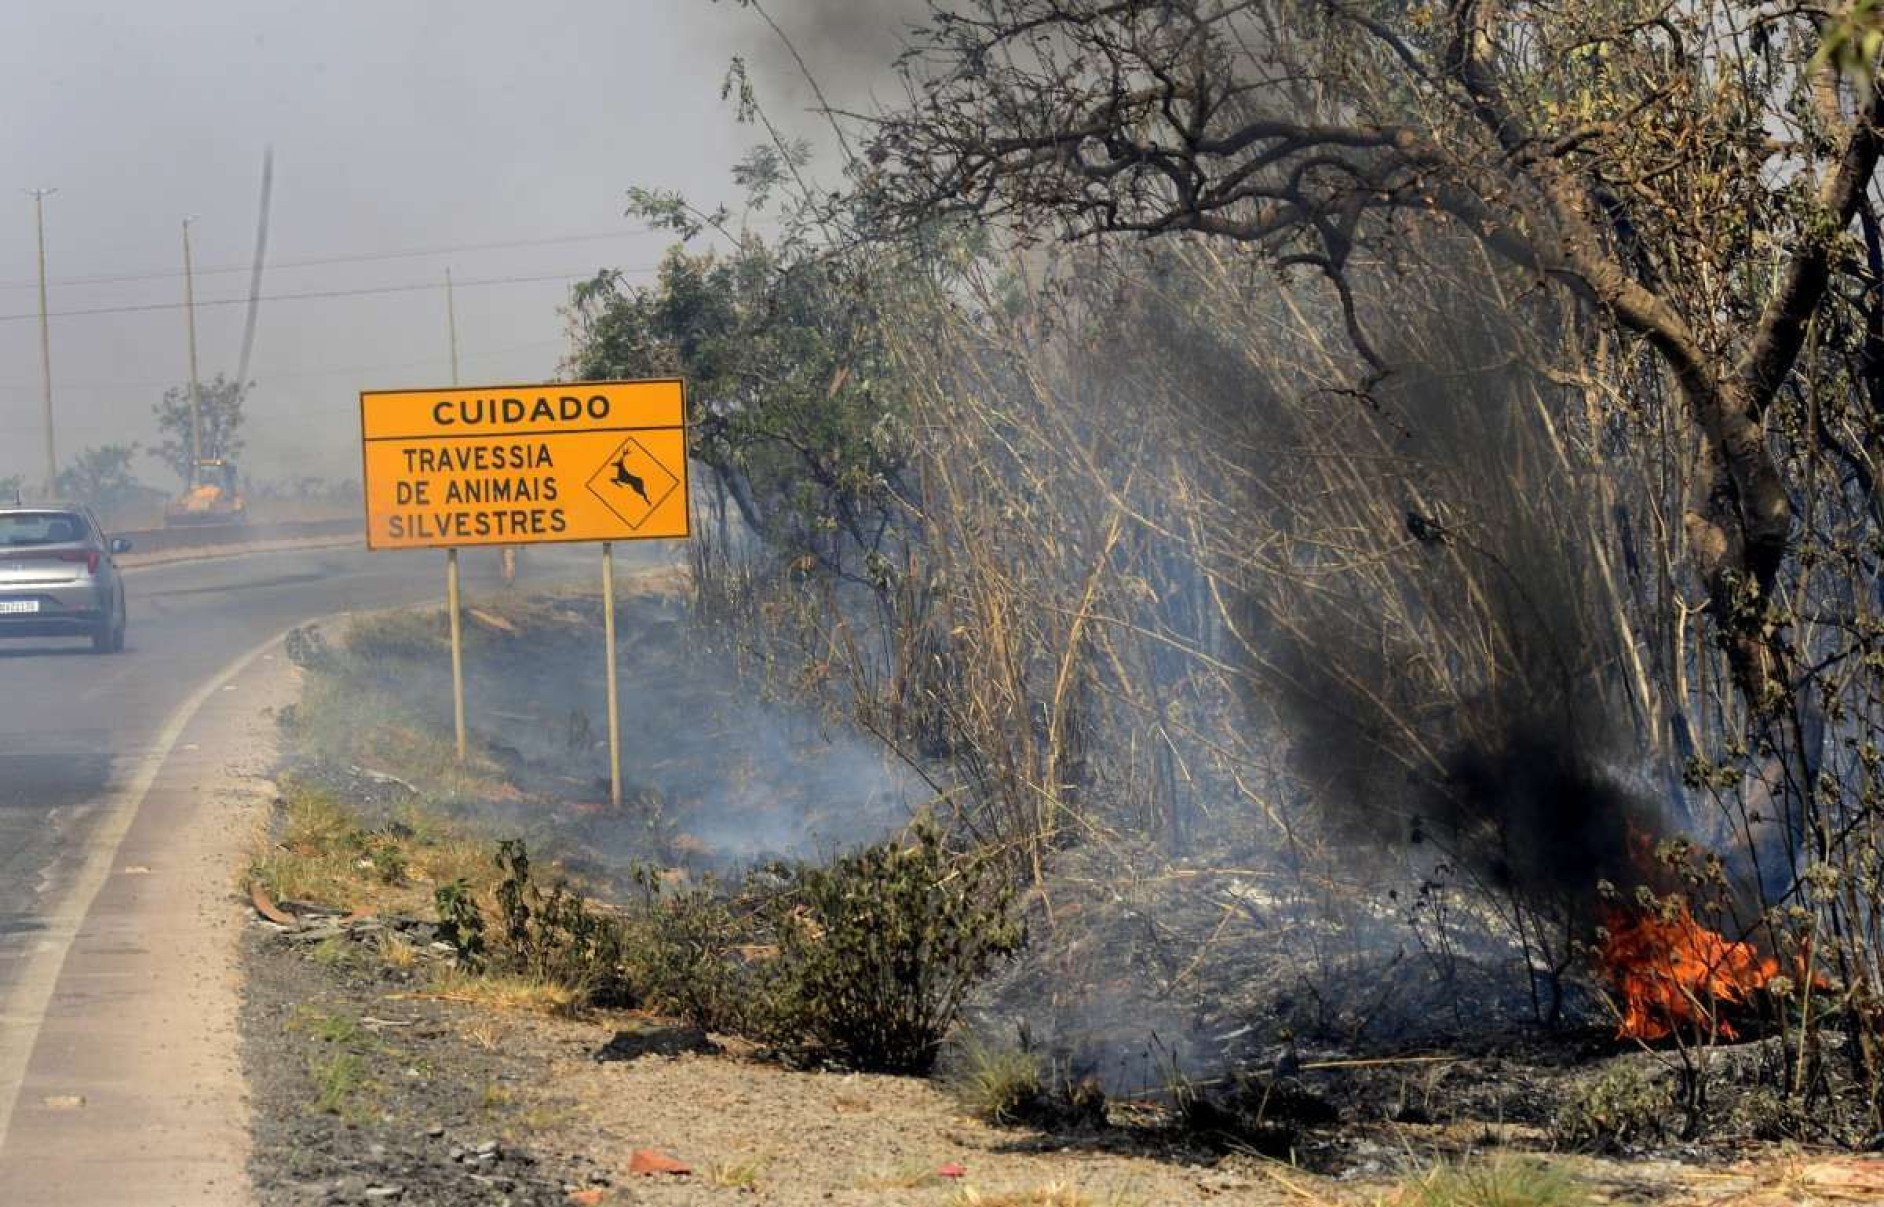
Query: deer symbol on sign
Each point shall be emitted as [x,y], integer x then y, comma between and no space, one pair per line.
[624,478]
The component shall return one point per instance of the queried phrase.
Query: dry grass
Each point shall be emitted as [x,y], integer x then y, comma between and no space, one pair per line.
[740,1173]
[326,852]
[485,1033]
[502,991]
[1498,1182]
[311,861]
[449,856]
[546,1117]
[342,719]
[998,1083]
[396,952]
[905,1175]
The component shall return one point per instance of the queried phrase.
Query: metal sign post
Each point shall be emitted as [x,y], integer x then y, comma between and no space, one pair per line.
[593,461]
[614,695]
[457,650]
[451,562]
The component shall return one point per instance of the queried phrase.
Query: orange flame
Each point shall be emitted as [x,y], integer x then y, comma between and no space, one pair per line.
[1673,972]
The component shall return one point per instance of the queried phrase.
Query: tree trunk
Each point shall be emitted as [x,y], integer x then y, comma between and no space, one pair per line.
[1738,533]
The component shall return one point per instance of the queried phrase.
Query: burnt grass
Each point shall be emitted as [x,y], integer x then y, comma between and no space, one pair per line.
[719,770]
[1347,1047]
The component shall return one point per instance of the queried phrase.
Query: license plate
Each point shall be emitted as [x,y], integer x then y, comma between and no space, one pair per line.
[14,607]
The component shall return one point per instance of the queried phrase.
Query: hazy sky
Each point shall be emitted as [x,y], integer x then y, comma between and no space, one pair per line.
[398,126]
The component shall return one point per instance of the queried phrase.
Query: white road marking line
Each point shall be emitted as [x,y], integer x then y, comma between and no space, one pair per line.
[25,1010]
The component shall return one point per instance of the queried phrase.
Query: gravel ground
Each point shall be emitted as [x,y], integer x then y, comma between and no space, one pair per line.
[368,1084]
[415,1110]
[368,1087]
[447,1102]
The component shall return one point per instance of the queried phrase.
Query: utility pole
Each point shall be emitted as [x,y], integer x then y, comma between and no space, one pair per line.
[45,341]
[453,599]
[189,312]
[451,324]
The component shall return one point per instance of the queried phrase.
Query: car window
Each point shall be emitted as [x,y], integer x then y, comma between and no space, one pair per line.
[41,527]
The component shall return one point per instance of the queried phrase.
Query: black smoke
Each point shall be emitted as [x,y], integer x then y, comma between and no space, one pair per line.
[1433,638]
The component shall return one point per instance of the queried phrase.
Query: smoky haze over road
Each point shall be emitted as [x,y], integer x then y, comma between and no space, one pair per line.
[96,751]
[508,134]
[73,725]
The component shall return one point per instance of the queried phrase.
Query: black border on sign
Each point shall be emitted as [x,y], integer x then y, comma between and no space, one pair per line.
[534,385]
[530,435]
[686,445]
[685,397]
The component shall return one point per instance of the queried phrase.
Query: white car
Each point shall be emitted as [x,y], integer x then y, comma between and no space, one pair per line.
[57,578]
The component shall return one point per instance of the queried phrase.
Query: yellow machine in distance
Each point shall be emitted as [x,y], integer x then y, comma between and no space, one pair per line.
[214,496]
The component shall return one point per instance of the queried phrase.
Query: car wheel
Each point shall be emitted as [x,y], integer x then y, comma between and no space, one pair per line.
[108,638]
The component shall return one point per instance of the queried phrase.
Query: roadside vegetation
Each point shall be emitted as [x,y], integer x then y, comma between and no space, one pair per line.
[865,960]
[1387,507]
[1382,617]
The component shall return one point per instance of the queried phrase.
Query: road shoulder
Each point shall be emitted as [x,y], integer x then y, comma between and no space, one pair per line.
[134,1079]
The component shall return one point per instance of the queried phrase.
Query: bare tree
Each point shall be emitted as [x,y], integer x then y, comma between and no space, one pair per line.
[1688,169]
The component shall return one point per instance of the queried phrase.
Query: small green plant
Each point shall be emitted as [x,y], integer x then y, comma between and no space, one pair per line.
[686,957]
[386,856]
[554,936]
[738,1174]
[336,951]
[1505,1182]
[331,1027]
[338,1065]
[1624,1105]
[880,948]
[999,1084]
[460,922]
[338,1078]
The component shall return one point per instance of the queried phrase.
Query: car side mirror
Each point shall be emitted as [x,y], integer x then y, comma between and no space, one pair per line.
[120,544]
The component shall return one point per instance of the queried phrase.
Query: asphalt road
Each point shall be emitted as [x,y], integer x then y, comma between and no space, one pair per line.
[71,721]
[83,734]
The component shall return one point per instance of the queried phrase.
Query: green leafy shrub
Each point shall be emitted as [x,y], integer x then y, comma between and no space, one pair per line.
[1623,1105]
[695,953]
[865,961]
[555,936]
[460,922]
[880,948]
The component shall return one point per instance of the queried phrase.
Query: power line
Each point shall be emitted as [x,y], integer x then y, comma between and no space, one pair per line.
[313,295]
[295,374]
[348,258]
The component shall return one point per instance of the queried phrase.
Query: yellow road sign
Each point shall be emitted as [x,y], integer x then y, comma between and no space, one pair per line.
[517,465]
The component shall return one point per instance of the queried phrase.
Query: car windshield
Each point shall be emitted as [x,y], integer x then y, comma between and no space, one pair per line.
[40,528]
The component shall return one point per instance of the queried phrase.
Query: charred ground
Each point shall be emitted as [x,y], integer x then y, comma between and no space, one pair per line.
[1166,1025]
